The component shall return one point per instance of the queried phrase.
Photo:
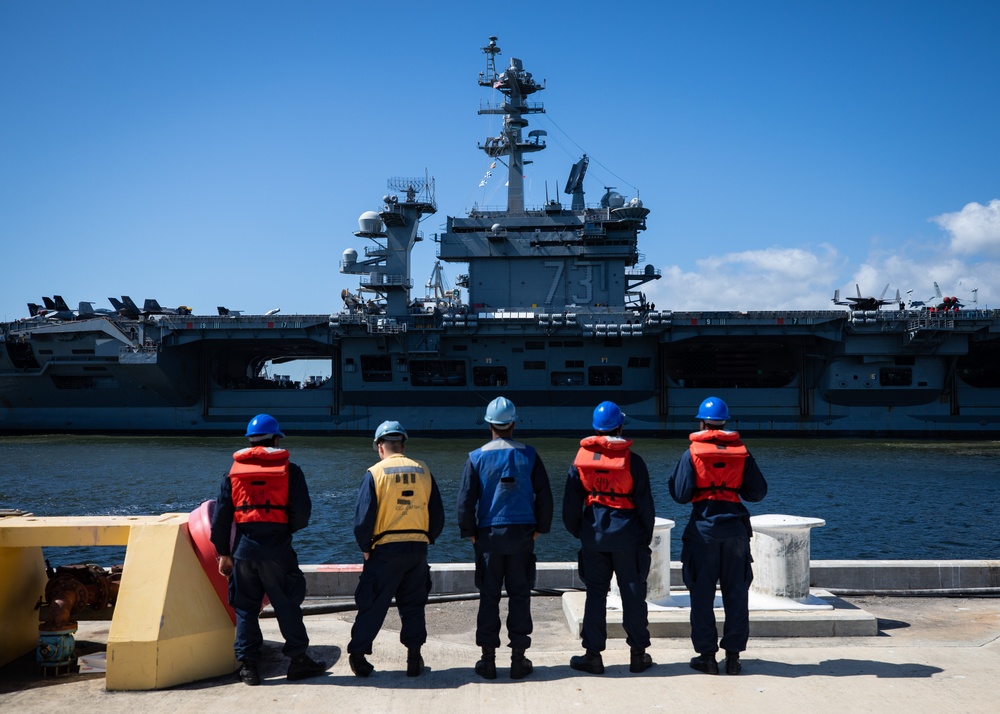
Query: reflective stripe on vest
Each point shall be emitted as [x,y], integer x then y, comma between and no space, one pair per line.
[259,482]
[403,492]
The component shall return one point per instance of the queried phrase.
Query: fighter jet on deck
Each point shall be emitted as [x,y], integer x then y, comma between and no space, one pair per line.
[865,303]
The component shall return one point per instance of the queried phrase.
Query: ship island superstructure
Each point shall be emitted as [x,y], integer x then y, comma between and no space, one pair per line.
[555,319]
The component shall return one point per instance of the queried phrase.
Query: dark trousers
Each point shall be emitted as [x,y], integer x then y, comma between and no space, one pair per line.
[493,572]
[631,567]
[285,586]
[391,573]
[727,562]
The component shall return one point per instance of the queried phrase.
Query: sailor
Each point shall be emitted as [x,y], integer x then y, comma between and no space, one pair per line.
[504,504]
[608,505]
[399,513]
[267,497]
[714,474]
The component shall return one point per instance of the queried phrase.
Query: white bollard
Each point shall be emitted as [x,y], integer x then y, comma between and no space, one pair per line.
[658,580]
[780,550]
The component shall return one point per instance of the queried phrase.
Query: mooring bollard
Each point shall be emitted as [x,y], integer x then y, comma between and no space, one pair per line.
[780,550]
[658,580]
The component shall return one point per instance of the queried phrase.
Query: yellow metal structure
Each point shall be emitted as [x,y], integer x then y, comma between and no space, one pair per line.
[168,627]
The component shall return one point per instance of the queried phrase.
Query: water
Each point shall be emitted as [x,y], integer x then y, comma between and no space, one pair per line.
[880,499]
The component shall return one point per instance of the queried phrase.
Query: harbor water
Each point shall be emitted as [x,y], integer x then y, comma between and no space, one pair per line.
[881,499]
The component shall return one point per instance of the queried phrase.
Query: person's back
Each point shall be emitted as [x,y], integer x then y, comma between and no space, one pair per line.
[398,514]
[608,505]
[504,504]
[266,496]
[716,474]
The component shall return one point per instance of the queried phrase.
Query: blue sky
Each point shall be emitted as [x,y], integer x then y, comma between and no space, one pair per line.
[220,153]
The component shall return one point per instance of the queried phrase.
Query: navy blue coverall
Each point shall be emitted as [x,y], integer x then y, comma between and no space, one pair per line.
[716,549]
[264,562]
[614,541]
[396,569]
[503,517]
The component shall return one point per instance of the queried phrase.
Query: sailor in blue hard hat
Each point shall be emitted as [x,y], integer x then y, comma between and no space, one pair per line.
[713,411]
[716,474]
[388,431]
[267,498]
[608,505]
[504,504]
[501,412]
[398,514]
[262,427]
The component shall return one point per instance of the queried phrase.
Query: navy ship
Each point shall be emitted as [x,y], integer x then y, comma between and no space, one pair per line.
[554,319]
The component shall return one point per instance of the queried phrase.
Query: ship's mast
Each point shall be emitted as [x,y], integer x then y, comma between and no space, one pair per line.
[516,84]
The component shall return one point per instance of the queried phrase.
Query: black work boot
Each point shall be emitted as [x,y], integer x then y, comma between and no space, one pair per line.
[640,661]
[520,666]
[733,665]
[487,666]
[705,662]
[304,667]
[248,673]
[591,662]
[359,665]
[414,662]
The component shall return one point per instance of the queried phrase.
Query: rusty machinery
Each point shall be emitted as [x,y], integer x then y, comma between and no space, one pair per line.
[70,589]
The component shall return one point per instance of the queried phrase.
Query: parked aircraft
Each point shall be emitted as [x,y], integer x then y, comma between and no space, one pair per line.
[938,301]
[865,303]
[226,312]
[152,307]
[125,307]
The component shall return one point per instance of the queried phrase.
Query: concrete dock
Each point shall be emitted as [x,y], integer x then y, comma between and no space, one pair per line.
[939,654]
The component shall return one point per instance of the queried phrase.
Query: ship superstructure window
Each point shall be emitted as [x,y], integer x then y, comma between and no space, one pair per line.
[604,376]
[895,377]
[437,373]
[534,345]
[493,376]
[349,365]
[567,379]
[574,364]
[534,364]
[638,362]
[376,368]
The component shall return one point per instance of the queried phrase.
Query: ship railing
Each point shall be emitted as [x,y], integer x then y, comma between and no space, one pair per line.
[506,108]
[385,325]
[385,280]
[931,323]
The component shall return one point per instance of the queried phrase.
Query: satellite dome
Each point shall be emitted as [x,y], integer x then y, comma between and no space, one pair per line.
[350,255]
[635,203]
[612,199]
[369,222]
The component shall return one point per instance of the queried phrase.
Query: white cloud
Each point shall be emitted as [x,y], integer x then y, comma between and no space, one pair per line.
[770,279]
[974,229]
[800,279]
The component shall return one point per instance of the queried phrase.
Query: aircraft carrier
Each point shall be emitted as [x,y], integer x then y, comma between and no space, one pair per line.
[555,319]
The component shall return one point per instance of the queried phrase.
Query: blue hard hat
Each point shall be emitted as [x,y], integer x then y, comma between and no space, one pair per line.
[389,431]
[713,409]
[608,417]
[263,425]
[501,411]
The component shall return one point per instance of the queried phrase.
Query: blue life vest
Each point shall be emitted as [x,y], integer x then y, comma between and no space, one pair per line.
[506,494]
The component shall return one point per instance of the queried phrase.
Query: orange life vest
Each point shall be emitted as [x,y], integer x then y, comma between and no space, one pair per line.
[718,458]
[259,480]
[603,465]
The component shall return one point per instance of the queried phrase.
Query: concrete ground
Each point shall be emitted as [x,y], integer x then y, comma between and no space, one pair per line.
[930,655]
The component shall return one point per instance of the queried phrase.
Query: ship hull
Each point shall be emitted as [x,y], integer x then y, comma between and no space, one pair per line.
[793,374]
